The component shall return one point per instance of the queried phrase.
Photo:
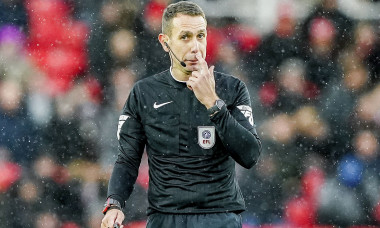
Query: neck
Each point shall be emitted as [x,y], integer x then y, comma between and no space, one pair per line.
[180,73]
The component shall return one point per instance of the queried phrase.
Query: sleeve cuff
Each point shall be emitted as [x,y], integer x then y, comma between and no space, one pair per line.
[118,198]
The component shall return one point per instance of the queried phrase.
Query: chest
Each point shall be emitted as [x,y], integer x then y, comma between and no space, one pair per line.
[173,106]
[175,122]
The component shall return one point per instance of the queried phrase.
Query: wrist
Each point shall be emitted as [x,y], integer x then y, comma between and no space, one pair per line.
[111,204]
[218,105]
[211,102]
[111,207]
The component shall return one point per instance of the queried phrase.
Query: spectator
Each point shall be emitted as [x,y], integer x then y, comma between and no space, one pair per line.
[339,100]
[114,15]
[123,44]
[350,197]
[18,131]
[79,107]
[328,10]
[149,48]
[291,88]
[122,80]
[322,67]
[367,108]
[281,44]
[262,192]
[367,48]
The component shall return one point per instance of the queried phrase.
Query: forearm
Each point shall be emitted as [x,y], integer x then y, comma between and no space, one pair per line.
[125,171]
[121,182]
[242,143]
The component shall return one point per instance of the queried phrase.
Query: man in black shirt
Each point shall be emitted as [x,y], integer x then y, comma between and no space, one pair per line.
[195,124]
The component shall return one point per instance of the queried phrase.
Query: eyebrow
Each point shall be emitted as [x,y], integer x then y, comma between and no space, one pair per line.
[188,32]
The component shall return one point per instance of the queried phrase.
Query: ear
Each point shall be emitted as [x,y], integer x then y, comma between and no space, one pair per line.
[163,38]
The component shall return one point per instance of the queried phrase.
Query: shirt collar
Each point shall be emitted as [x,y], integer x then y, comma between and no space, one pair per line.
[169,78]
[171,73]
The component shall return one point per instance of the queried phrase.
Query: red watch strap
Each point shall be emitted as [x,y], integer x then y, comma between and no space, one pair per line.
[111,204]
[109,207]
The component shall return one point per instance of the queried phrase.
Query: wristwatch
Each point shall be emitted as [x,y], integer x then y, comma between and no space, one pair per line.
[111,204]
[216,108]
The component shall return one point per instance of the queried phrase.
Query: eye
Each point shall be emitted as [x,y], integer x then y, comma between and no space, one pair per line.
[184,37]
[201,35]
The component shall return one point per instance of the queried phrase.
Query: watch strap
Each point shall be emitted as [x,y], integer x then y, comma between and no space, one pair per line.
[216,108]
[211,111]
[111,204]
[110,207]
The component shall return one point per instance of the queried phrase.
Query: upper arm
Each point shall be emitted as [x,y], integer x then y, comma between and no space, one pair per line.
[130,132]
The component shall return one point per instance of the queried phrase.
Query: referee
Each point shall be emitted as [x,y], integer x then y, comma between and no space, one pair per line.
[195,124]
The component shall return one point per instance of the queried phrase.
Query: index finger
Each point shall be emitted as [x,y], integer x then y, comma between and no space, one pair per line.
[110,219]
[201,60]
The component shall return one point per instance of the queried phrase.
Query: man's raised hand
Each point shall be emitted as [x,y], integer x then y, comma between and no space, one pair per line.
[202,82]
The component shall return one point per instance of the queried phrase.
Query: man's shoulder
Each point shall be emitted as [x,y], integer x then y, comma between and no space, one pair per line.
[152,80]
[224,75]
[227,79]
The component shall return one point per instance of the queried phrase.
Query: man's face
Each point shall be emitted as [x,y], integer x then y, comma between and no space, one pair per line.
[188,38]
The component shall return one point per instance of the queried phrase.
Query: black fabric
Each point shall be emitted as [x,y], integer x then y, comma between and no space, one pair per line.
[214,220]
[185,177]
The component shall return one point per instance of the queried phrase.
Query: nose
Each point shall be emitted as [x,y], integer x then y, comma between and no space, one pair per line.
[195,47]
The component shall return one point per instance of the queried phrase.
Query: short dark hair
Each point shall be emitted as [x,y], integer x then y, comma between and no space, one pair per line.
[182,7]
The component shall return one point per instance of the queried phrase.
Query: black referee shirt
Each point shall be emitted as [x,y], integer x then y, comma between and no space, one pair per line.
[191,155]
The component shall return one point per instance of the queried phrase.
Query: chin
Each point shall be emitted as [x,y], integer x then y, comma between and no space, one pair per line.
[192,68]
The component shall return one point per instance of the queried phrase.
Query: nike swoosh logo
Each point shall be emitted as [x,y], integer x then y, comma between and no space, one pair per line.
[156,106]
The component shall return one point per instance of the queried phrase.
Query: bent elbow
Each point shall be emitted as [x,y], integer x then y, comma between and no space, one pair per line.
[249,164]
[254,152]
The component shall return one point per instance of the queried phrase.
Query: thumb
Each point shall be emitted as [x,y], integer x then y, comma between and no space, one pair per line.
[211,70]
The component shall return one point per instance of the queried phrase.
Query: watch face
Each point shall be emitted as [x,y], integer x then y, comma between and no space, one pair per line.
[112,201]
[219,103]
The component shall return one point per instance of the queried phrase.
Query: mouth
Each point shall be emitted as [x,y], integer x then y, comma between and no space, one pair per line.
[192,61]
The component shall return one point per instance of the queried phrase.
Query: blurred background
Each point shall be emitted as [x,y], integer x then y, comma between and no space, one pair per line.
[312,68]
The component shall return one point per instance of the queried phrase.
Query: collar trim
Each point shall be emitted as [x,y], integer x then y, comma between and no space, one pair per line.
[174,77]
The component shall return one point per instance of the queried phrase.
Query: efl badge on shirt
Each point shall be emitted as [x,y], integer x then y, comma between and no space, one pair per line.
[206,136]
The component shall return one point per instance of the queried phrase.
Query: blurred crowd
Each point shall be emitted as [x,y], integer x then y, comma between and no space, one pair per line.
[66,69]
